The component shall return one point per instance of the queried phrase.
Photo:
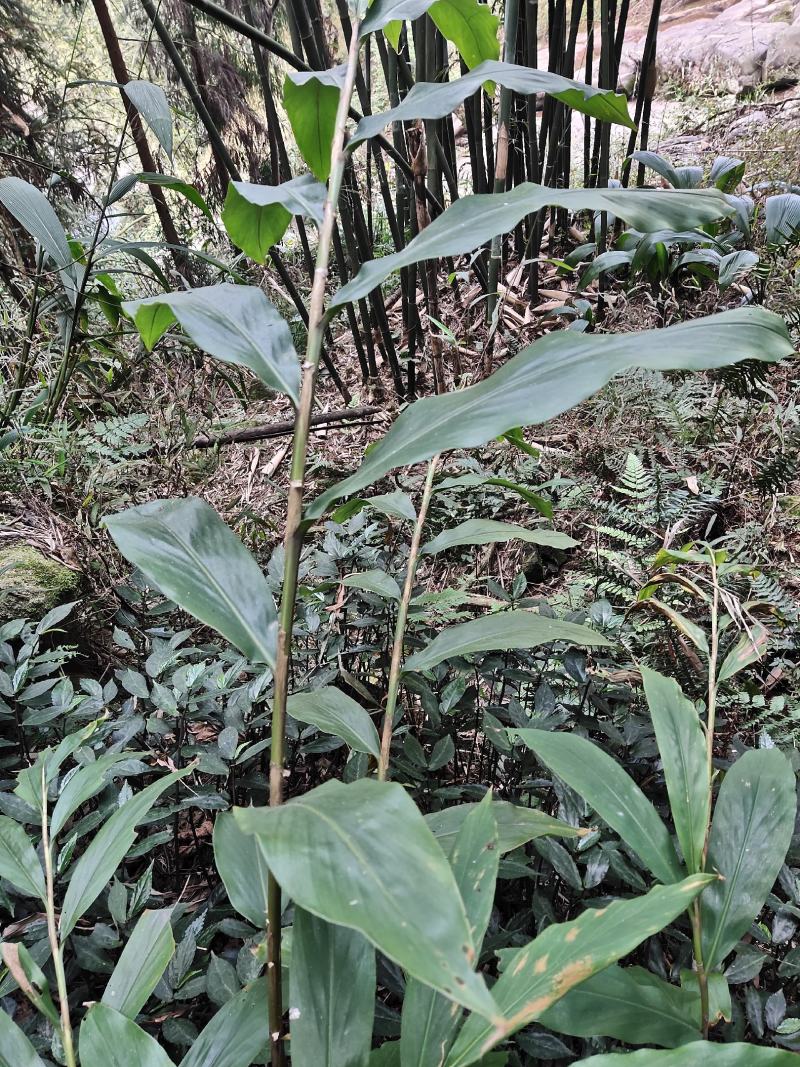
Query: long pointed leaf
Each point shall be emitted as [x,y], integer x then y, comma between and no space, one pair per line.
[698,1054]
[241,866]
[18,860]
[141,964]
[151,102]
[516,825]
[236,1034]
[15,1049]
[489,531]
[334,712]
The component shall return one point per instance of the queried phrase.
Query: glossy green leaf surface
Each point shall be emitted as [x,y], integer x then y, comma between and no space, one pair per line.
[114,1040]
[472,27]
[142,963]
[473,220]
[151,102]
[234,323]
[554,374]
[682,745]
[185,548]
[236,1034]
[613,794]
[355,855]
[242,868]
[434,100]
[374,581]
[93,871]
[311,99]
[332,998]
[630,1004]
[500,632]
[487,531]
[18,860]
[566,954]
[336,713]
[15,1049]
[699,1054]
[750,834]
[516,825]
[257,216]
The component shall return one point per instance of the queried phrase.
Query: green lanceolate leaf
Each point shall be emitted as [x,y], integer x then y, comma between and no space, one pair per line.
[487,531]
[233,323]
[32,209]
[434,100]
[505,630]
[15,1049]
[375,581]
[257,216]
[613,794]
[334,712]
[18,860]
[142,963]
[236,1034]
[698,1054]
[429,1020]
[164,181]
[473,220]
[93,871]
[554,374]
[356,855]
[750,834]
[311,99]
[332,997]
[114,1040]
[566,954]
[734,266]
[748,649]
[682,744]
[152,104]
[516,825]
[185,548]
[242,868]
[81,786]
[630,1004]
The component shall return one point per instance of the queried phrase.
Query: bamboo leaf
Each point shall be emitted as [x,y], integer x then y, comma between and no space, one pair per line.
[332,998]
[516,825]
[141,964]
[750,834]
[152,104]
[257,216]
[698,1054]
[311,99]
[236,1034]
[242,868]
[18,860]
[473,220]
[566,954]
[612,793]
[500,632]
[435,100]
[488,531]
[735,265]
[355,855]
[185,548]
[551,376]
[233,323]
[334,712]
[682,745]
[114,1040]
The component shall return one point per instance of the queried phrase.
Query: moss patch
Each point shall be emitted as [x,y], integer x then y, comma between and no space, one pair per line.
[31,584]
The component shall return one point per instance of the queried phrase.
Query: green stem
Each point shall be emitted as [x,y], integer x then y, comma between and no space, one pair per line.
[293,539]
[400,625]
[52,933]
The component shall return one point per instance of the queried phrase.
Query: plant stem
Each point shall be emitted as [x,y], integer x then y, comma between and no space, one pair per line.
[400,625]
[52,932]
[293,539]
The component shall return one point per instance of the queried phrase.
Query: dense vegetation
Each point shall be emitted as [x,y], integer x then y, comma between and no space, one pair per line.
[417,737]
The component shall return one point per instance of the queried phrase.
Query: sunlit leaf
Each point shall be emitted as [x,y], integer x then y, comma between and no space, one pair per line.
[257,216]
[152,104]
[311,99]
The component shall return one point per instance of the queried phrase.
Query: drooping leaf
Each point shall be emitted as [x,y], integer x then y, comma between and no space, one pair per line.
[487,531]
[334,712]
[750,834]
[355,855]
[236,1034]
[18,860]
[395,505]
[613,794]
[471,26]
[748,649]
[15,1049]
[30,978]
[434,100]
[605,263]
[141,964]
[233,323]
[332,998]
[429,1020]
[682,745]
[164,181]
[375,581]
[566,954]
[473,220]
[93,871]
[735,265]
[33,211]
[698,1054]
[196,560]
[630,1004]
[311,99]
[242,868]
[553,375]
[257,216]
[516,825]
[782,219]
[500,632]
[152,104]
[663,168]
[114,1040]
[726,173]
